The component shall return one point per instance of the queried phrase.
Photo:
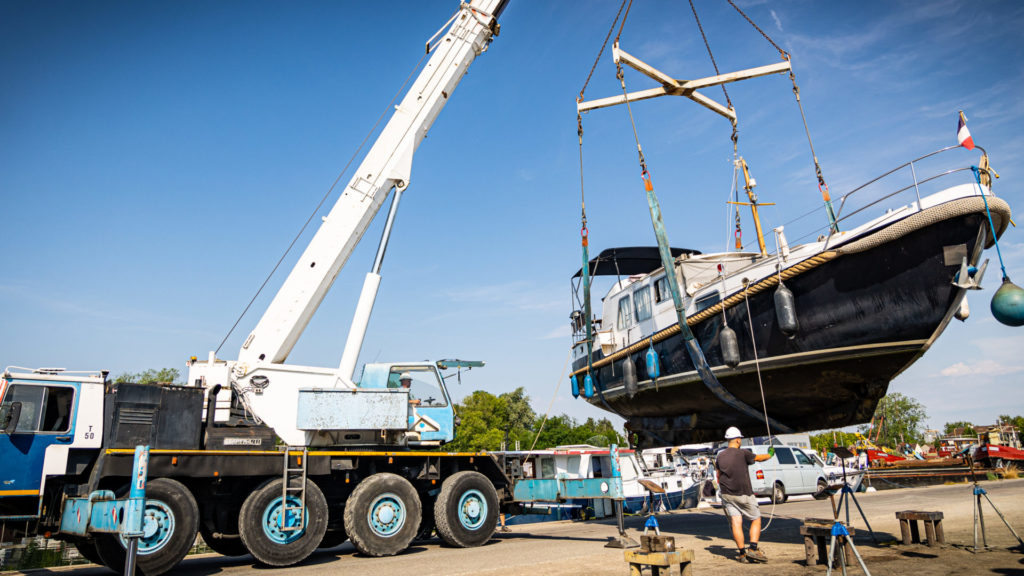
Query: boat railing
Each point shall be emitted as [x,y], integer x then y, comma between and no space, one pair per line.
[860,200]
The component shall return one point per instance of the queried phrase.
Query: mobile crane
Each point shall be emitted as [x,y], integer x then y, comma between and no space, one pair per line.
[354,464]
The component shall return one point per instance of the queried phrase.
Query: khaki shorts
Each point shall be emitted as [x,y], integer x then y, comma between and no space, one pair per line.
[745,506]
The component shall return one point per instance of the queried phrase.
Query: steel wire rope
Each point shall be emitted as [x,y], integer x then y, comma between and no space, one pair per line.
[552,403]
[321,203]
[760,383]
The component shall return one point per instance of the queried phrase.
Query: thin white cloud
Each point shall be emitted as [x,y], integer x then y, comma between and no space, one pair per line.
[778,22]
[980,368]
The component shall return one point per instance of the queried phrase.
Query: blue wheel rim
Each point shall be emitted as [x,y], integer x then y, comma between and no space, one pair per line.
[386,515]
[157,527]
[272,521]
[472,509]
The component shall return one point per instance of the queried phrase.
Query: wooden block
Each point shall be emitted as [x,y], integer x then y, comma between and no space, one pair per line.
[655,543]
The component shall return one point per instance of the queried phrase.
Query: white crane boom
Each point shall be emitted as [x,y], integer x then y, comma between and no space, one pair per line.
[312,406]
[387,166]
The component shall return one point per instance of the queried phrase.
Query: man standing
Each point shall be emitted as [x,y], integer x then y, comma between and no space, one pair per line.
[737,496]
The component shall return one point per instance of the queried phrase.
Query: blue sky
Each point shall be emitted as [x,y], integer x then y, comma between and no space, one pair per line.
[157,158]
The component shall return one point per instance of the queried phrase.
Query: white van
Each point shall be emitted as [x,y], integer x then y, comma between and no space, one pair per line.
[789,472]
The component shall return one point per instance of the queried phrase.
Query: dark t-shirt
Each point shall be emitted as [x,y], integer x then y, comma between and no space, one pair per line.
[733,477]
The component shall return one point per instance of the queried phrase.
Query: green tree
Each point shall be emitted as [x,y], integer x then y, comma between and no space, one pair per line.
[966,428]
[901,419]
[150,376]
[824,442]
[1016,421]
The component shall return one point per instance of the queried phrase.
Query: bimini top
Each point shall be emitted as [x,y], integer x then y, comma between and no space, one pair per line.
[629,261]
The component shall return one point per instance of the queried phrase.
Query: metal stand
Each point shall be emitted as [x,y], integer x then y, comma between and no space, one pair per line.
[839,531]
[135,508]
[979,517]
[622,540]
[847,493]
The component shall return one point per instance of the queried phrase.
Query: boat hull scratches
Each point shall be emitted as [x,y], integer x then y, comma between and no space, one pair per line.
[864,318]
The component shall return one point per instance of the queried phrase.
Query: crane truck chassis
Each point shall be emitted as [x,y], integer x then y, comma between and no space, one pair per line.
[224,483]
[354,464]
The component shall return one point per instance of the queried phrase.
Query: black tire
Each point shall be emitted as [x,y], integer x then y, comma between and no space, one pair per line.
[382,515]
[259,528]
[466,510]
[172,509]
[230,547]
[332,539]
[778,493]
[87,548]
[822,492]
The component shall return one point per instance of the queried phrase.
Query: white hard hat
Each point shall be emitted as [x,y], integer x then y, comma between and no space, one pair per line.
[405,376]
[732,433]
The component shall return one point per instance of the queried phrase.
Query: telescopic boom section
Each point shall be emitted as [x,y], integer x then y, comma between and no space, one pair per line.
[387,166]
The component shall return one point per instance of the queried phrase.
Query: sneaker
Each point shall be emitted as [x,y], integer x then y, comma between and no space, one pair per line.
[741,556]
[756,555]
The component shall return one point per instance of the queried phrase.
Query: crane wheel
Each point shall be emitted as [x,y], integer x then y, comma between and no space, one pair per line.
[382,515]
[277,543]
[169,526]
[466,510]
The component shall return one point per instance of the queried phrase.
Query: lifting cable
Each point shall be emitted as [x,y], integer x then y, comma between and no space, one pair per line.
[822,186]
[326,195]
[735,134]
[584,232]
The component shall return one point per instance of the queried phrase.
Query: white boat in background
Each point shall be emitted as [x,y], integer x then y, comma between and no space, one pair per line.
[835,470]
[645,488]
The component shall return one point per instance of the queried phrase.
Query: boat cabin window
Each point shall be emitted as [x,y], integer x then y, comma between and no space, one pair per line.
[43,408]
[785,456]
[547,467]
[573,466]
[425,385]
[642,302]
[661,291]
[625,318]
[707,301]
[802,458]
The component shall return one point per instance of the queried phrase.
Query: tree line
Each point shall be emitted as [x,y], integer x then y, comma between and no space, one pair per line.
[899,420]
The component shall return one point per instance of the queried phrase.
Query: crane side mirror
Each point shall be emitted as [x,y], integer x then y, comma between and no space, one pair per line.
[9,416]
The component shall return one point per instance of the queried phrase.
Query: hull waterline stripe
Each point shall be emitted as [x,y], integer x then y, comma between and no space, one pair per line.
[19,492]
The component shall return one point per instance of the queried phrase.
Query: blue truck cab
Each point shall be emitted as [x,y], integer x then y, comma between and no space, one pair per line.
[51,425]
[431,409]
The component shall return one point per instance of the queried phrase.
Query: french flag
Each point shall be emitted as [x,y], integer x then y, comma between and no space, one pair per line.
[963,135]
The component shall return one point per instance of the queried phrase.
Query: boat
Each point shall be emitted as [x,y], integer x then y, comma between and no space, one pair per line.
[805,337]
[837,472]
[646,490]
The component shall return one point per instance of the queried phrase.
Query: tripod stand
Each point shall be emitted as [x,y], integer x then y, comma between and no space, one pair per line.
[847,493]
[979,517]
